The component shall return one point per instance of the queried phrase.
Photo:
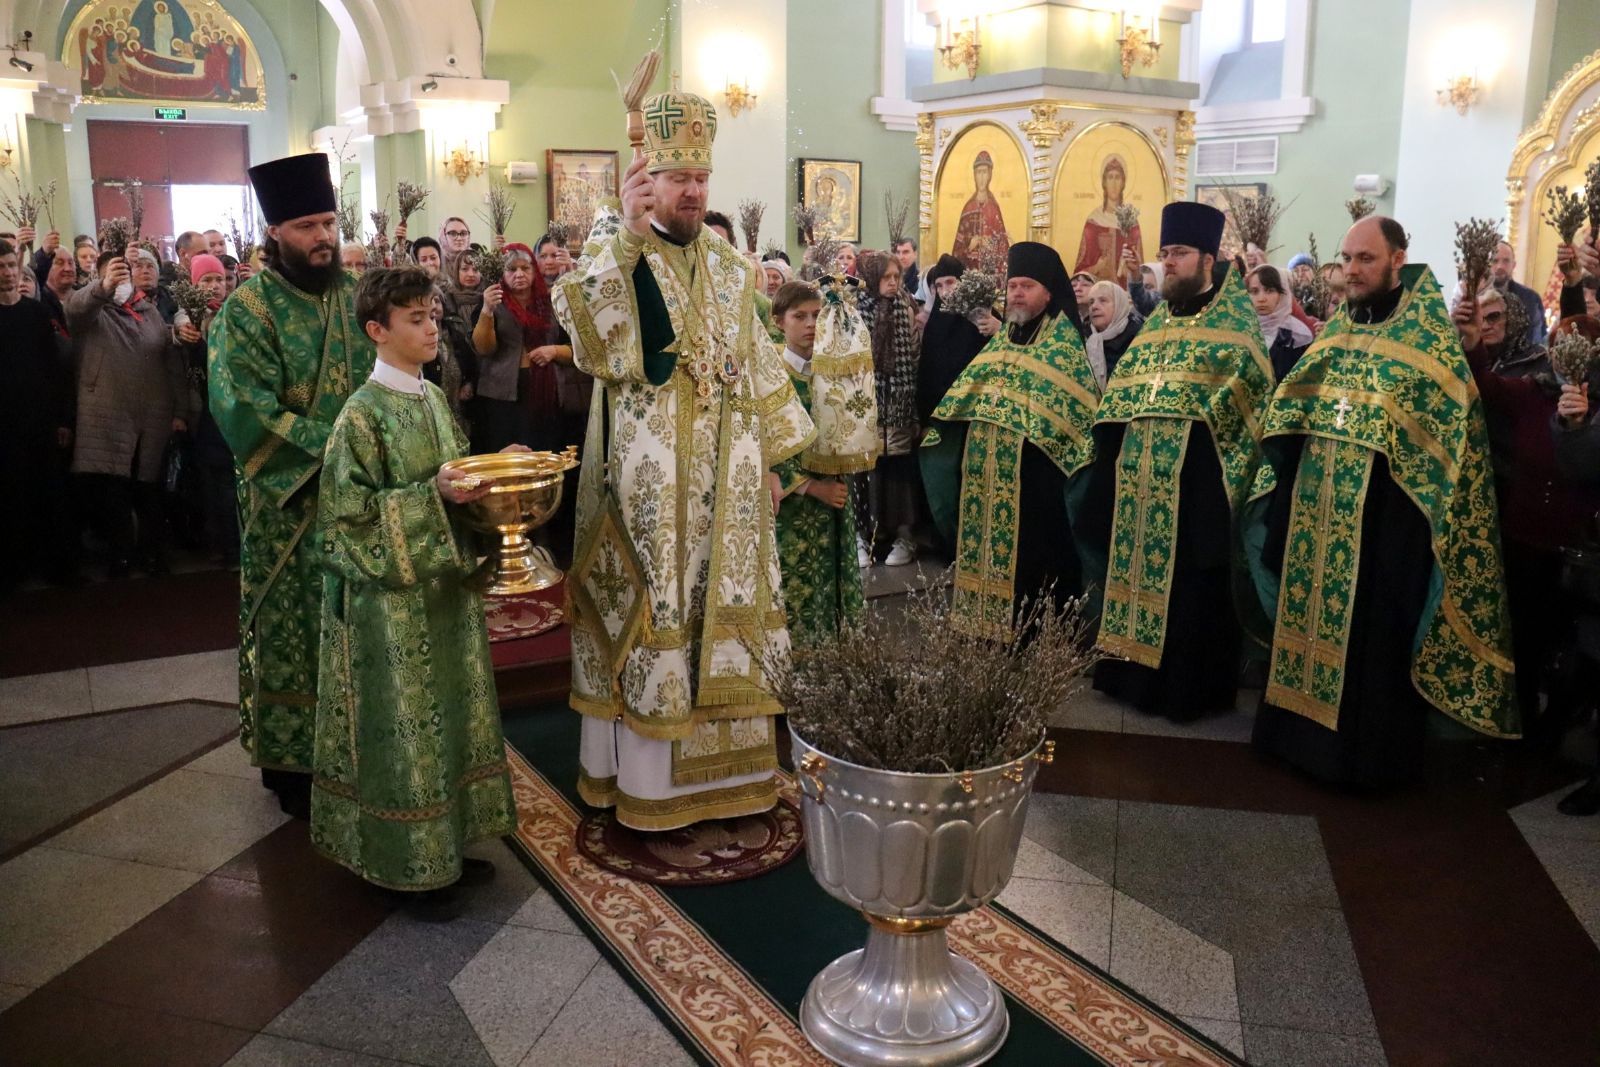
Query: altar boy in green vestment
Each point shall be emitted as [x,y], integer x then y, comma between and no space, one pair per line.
[816,525]
[1176,437]
[1374,537]
[285,352]
[410,765]
[1007,440]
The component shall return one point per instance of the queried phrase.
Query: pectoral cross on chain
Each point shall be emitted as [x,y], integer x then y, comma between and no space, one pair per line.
[1342,410]
[1155,387]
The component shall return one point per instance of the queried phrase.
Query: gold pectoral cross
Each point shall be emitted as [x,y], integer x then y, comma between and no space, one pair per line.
[1155,387]
[1342,412]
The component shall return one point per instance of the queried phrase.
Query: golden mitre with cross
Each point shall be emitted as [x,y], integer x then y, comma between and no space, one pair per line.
[678,130]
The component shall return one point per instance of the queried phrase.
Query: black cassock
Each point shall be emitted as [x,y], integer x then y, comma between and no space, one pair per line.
[1383,720]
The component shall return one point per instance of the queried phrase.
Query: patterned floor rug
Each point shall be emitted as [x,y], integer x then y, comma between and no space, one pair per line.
[725,966]
[707,853]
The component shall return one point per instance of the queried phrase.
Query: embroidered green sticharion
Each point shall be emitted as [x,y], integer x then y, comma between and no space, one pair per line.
[1043,394]
[1208,368]
[1139,577]
[1401,388]
[1316,608]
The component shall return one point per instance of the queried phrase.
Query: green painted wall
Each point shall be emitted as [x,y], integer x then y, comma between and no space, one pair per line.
[1348,135]
[558,58]
[43,159]
[1577,34]
[833,75]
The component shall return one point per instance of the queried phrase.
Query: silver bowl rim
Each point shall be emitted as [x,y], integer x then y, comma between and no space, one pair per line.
[923,776]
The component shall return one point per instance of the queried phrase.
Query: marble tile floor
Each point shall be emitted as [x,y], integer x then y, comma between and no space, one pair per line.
[1229,918]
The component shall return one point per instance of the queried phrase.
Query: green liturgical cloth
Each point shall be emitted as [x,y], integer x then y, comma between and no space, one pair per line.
[1399,388]
[1211,368]
[1044,394]
[817,547]
[282,363]
[410,766]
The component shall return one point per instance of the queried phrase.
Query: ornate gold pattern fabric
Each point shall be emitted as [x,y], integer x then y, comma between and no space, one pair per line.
[679,128]
[1402,388]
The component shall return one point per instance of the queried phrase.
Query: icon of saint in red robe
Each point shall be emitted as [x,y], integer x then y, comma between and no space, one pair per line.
[981,239]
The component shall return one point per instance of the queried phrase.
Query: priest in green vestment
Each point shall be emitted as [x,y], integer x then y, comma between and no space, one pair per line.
[1007,440]
[1374,537]
[675,584]
[285,353]
[1175,444]
[410,766]
[828,355]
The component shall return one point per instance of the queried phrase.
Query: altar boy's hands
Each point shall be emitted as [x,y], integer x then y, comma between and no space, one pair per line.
[446,480]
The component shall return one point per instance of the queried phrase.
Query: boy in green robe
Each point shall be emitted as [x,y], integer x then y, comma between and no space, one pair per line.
[816,527]
[409,764]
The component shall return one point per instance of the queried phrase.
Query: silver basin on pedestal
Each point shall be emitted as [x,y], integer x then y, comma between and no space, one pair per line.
[911,852]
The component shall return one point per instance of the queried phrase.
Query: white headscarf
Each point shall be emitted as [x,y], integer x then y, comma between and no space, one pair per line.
[1282,318]
[1158,270]
[1095,344]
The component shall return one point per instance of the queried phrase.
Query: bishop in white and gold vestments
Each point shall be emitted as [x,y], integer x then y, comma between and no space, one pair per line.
[675,590]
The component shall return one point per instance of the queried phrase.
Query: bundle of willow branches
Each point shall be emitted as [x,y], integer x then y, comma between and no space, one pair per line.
[560,233]
[1565,212]
[975,291]
[910,692]
[243,249]
[808,220]
[1476,240]
[409,198]
[1253,218]
[1127,217]
[133,189]
[349,214]
[750,212]
[380,222]
[1315,295]
[23,209]
[116,234]
[491,264]
[1591,194]
[193,300]
[896,210]
[1573,356]
[1359,207]
[822,257]
[500,206]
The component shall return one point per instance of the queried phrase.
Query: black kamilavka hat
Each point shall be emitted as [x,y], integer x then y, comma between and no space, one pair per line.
[294,187]
[1185,222]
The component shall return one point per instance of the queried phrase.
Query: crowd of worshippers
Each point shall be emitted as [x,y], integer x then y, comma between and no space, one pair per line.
[111,448]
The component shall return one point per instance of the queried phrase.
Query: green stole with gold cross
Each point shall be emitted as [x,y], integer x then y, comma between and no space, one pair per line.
[1043,393]
[1400,388]
[1210,367]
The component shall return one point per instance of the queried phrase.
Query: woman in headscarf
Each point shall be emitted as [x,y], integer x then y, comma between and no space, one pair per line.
[777,273]
[896,482]
[1540,511]
[949,341]
[1112,322]
[1145,289]
[517,392]
[1286,336]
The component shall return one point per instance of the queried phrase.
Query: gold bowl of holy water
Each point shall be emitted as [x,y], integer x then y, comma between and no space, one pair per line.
[524,492]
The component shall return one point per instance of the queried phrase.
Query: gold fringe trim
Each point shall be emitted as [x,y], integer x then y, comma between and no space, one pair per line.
[1300,704]
[597,792]
[855,463]
[1129,649]
[735,769]
[841,366]
[676,812]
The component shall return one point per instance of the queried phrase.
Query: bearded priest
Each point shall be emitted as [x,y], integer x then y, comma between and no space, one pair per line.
[675,585]
[1374,537]
[285,355]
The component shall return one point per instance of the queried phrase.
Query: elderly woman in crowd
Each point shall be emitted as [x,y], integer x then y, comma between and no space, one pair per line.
[776,272]
[1540,510]
[1286,336]
[132,396]
[1113,322]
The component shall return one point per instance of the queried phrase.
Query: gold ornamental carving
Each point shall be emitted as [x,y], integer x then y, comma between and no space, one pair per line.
[1161,135]
[924,138]
[1044,129]
[1544,139]
[944,135]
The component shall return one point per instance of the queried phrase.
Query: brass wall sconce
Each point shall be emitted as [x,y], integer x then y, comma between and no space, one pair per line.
[1461,92]
[739,98]
[960,47]
[1137,44]
[462,164]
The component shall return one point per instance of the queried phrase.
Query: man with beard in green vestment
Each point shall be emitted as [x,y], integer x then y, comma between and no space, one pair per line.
[410,766]
[1374,539]
[1176,433]
[285,353]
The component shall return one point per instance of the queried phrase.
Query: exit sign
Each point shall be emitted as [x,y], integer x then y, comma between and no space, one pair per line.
[172,114]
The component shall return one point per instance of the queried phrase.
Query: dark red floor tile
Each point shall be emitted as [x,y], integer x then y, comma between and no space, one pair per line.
[53,1028]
